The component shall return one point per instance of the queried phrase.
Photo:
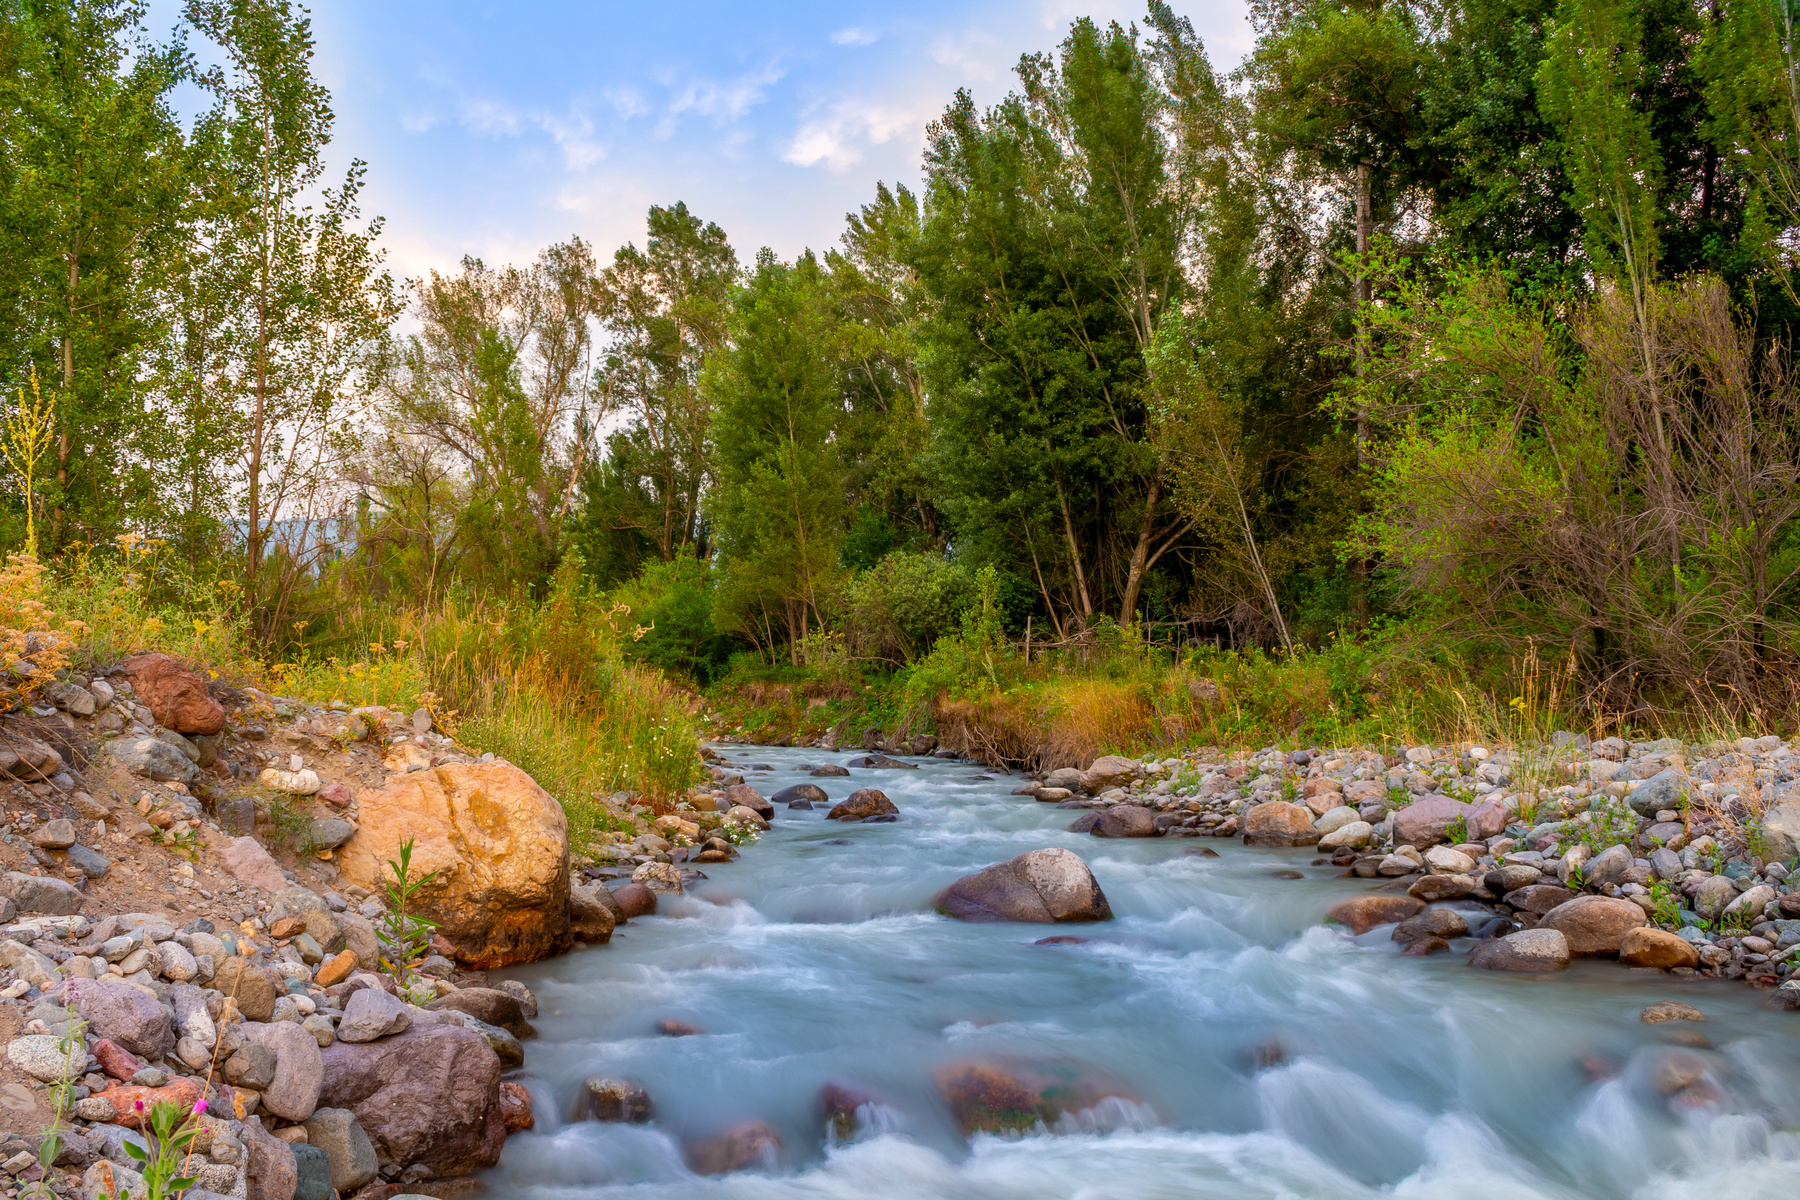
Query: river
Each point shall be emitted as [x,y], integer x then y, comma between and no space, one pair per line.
[1268,1055]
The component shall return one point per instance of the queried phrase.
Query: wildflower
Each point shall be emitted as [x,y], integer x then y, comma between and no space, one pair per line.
[139,1105]
[199,1106]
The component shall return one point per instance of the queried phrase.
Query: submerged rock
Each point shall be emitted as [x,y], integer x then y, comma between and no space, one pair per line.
[863,804]
[752,1144]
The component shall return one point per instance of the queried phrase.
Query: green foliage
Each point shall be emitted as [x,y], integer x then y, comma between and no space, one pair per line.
[672,603]
[168,1133]
[405,935]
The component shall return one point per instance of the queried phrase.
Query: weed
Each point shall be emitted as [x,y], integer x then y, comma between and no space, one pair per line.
[405,936]
[1667,903]
[167,1132]
[1457,831]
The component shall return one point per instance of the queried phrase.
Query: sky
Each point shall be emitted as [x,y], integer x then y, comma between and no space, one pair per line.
[495,129]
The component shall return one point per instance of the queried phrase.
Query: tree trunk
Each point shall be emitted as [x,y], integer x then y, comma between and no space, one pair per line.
[1081,587]
[1365,230]
[1140,553]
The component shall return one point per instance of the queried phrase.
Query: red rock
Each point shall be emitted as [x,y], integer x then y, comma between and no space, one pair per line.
[1487,819]
[335,794]
[176,696]
[180,1091]
[676,1029]
[748,1145]
[116,1060]
[636,899]
[1363,913]
[1426,821]
[336,969]
[515,1107]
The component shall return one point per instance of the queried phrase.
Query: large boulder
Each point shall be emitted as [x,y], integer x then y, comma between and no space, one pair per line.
[430,1095]
[1528,950]
[591,919]
[176,695]
[1042,886]
[742,795]
[801,795]
[1110,771]
[1538,898]
[863,804]
[1278,823]
[497,846]
[489,1005]
[1594,924]
[1125,821]
[1426,821]
[126,1014]
[1781,826]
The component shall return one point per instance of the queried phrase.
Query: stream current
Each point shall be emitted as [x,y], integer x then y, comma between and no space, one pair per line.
[1269,1055]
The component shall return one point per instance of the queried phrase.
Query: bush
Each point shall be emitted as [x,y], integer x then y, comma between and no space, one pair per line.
[893,611]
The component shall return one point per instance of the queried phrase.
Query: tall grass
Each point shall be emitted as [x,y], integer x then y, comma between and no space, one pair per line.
[543,684]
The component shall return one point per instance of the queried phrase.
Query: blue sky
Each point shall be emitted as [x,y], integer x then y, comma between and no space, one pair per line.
[494,129]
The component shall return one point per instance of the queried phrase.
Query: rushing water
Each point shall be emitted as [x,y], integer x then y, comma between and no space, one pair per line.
[1269,1056]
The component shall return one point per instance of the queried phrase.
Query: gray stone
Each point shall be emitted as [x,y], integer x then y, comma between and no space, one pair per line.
[27,964]
[151,758]
[126,1014]
[312,1166]
[299,1071]
[1609,868]
[1527,950]
[55,835]
[106,1178]
[178,964]
[41,894]
[236,815]
[1713,896]
[39,1056]
[347,1148]
[1050,885]
[193,1018]
[329,833]
[180,743]
[371,1014]
[1667,789]
[91,862]
[1665,864]
[72,698]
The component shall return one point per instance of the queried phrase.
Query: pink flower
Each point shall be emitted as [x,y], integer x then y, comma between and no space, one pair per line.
[140,1106]
[199,1107]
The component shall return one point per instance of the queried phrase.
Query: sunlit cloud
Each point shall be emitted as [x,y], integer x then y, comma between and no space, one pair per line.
[853,36]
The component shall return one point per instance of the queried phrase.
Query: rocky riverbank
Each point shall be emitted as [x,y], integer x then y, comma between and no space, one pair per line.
[194,906]
[1662,856]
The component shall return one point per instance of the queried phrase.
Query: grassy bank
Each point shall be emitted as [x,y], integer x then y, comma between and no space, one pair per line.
[545,685]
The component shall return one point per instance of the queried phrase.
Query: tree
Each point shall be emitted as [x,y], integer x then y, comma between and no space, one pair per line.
[88,196]
[778,508]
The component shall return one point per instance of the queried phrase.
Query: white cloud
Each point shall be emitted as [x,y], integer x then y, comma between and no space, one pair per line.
[852,36]
[838,137]
[723,100]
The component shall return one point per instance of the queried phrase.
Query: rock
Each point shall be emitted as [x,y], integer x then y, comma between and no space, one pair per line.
[491,1005]
[126,1014]
[181,1091]
[829,770]
[515,1107]
[589,919]
[1352,834]
[1125,821]
[270,1169]
[1781,827]
[1594,924]
[1010,1098]
[1608,869]
[1539,898]
[1363,913]
[1066,778]
[26,963]
[177,963]
[742,795]
[1278,823]
[1665,864]
[662,878]
[1748,907]
[1043,886]
[1506,879]
[1110,771]
[176,696]
[116,1060]
[1050,795]
[252,1067]
[89,862]
[348,1152]
[371,1013]
[1670,1010]
[312,1167]
[497,846]
[40,894]
[54,835]
[254,990]
[1434,888]
[752,1144]
[1650,947]
[1432,923]
[635,900]
[1713,897]
[1426,821]
[336,969]
[151,758]
[1445,861]
[329,834]
[39,1056]
[250,864]
[603,1099]
[429,1096]
[1333,819]
[800,793]
[1528,950]
[1667,789]
[1488,819]
[862,804]
[299,1071]
[108,1179]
